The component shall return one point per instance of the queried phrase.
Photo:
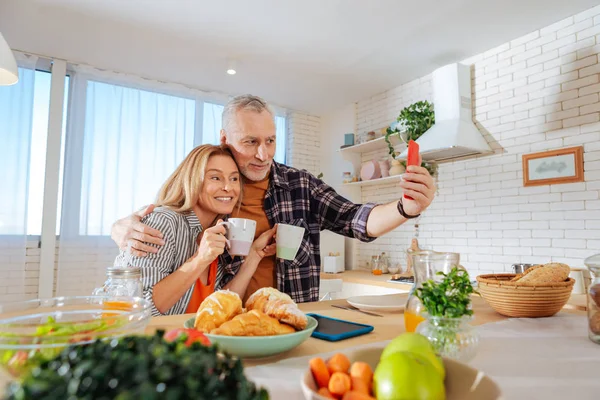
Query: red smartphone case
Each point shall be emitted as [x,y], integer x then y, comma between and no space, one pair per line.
[413,158]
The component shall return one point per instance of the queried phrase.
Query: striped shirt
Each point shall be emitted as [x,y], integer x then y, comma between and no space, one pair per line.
[297,197]
[180,231]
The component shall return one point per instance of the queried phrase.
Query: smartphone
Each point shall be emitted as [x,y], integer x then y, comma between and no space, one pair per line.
[333,329]
[412,157]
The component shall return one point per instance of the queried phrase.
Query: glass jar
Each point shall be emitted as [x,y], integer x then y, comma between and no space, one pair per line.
[347,177]
[384,262]
[376,265]
[593,298]
[425,264]
[121,282]
[451,337]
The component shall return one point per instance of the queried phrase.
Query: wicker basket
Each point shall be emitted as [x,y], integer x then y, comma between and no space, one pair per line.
[518,300]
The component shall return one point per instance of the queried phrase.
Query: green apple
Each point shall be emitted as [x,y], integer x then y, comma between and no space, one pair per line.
[415,343]
[407,376]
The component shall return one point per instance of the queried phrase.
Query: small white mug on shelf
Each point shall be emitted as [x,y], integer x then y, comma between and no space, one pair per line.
[579,287]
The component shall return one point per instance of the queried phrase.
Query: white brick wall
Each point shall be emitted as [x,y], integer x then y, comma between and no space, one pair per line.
[535,93]
[303,140]
[81,267]
[18,276]
[81,270]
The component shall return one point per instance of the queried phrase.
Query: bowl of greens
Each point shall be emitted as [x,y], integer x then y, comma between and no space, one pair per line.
[35,331]
[138,367]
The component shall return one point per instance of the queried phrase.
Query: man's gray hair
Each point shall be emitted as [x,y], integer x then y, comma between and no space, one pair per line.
[243,102]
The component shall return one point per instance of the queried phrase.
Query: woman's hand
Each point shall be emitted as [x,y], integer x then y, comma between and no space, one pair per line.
[264,245]
[212,245]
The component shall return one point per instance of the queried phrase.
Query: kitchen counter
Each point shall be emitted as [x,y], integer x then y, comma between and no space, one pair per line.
[365,277]
[386,328]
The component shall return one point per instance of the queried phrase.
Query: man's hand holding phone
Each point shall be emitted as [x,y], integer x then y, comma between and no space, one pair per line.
[417,184]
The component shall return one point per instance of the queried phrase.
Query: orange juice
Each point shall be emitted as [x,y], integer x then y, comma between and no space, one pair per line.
[377,272]
[411,321]
[116,305]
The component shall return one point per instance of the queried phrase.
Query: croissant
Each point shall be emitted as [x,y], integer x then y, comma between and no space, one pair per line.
[277,305]
[259,298]
[216,309]
[253,323]
[287,313]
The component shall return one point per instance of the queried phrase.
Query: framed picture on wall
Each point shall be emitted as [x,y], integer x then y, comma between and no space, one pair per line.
[554,166]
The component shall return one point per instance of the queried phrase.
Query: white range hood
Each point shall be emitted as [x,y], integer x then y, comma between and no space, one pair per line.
[454,134]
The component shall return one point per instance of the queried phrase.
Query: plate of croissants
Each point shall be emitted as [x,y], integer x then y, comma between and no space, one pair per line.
[270,324]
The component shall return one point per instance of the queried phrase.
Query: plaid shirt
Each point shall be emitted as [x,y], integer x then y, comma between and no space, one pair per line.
[296,197]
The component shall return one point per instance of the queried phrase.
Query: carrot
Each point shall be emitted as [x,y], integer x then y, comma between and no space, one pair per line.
[339,384]
[362,371]
[325,393]
[358,385]
[354,395]
[338,363]
[319,371]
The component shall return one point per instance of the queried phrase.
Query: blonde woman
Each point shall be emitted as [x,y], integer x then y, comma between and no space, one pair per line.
[204,188]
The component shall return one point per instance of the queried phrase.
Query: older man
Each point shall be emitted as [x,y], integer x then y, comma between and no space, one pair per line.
[276,193]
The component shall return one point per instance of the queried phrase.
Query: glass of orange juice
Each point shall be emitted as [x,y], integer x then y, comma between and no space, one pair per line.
[426,264]
[411,321]
[376,268]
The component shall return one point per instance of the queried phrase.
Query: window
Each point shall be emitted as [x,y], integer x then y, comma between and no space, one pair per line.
[131,141]
[23,131]
[211,126]
[281,135]
[121,144]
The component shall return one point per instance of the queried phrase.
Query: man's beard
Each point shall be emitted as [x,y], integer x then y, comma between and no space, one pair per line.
[255,176]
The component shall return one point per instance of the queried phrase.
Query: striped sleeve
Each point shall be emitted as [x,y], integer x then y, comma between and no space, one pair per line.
[157,266]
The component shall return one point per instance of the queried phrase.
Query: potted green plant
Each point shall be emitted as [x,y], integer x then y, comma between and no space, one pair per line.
[412,122]
[448,312]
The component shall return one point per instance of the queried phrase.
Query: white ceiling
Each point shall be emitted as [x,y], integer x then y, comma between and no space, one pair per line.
[310,55]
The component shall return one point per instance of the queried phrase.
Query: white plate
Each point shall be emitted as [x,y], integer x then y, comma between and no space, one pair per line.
[384,302]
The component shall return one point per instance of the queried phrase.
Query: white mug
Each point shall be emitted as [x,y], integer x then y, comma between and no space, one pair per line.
[289,238]
[579,287]
[240,235]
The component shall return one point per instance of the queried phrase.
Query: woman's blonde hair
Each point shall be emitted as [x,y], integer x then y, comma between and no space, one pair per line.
[182,189]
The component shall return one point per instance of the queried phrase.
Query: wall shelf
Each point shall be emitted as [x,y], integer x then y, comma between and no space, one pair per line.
[375,144]
[380,181]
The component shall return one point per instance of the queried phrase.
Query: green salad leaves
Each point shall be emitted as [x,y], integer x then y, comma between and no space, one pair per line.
[450,297]
[138,367]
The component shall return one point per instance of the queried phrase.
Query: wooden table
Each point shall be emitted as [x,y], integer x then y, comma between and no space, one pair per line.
[386,328]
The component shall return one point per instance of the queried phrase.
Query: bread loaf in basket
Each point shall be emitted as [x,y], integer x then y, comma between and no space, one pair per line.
[541,291]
